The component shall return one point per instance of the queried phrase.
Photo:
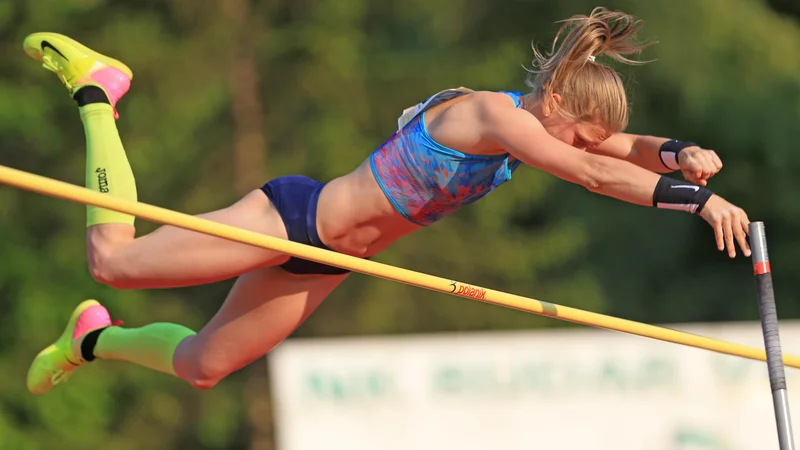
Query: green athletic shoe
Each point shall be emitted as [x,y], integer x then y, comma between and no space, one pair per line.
[55,364]
[77,65]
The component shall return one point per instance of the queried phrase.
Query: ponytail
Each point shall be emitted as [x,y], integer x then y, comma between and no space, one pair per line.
[579,40]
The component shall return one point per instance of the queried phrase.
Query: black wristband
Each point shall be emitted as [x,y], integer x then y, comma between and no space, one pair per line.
[673,194]
[669,152]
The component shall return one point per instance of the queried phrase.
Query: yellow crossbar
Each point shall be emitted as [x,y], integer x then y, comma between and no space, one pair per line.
[78,194]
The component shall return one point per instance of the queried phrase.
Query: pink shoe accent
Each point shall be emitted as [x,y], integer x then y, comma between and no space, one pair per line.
[114,82]
[93,318]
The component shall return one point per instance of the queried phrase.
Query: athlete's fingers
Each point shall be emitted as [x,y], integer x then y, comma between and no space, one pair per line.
[728,232]
[694,174]
[709,168]
[740,230]
[716,160]
[719,235]
[745,222]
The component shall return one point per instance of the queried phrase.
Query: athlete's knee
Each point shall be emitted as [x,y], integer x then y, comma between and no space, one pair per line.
[202,371]
[100,266]
[105,271]
[101,250]
[204,383]
[206,376]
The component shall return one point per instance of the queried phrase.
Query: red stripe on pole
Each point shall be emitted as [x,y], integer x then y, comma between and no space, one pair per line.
[761,268]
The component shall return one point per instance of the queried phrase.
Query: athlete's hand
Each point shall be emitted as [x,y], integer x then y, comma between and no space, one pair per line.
[729,222]
[698,165]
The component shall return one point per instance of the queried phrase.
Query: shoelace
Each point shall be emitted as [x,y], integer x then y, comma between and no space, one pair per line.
[60,376]
[51,64]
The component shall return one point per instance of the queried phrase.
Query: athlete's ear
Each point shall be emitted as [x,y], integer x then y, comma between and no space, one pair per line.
[550,104]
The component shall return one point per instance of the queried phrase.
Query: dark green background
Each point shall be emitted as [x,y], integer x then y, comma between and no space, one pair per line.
[230,93]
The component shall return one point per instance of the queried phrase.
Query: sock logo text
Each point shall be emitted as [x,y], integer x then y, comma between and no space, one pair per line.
[102,180]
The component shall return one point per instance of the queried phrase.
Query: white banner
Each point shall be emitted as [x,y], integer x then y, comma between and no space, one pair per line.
[564,389]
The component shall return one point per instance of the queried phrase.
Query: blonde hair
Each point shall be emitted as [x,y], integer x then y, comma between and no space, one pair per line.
[589,91]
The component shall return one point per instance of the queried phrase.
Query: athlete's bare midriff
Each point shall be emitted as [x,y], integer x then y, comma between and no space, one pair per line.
[355,217]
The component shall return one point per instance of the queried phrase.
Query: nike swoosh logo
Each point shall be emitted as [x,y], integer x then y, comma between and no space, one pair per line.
[46,44]
[686,186]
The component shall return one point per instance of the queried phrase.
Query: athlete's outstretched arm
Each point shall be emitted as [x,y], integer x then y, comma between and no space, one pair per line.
[662,155]
[525,138]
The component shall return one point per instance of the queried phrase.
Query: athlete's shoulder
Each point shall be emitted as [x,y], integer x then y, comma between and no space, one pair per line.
[496,99]
[496,107]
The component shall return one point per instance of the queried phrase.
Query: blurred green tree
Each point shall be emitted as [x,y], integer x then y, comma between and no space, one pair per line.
[229,93]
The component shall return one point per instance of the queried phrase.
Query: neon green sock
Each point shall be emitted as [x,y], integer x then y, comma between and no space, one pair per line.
[152,346]
[107,167]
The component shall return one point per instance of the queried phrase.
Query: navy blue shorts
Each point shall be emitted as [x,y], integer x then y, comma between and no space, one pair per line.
[295,197]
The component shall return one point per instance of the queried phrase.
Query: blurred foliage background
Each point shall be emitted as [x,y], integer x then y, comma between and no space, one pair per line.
[230,93]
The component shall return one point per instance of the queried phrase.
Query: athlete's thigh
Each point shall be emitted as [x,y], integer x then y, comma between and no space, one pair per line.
[262,309]
[175,257]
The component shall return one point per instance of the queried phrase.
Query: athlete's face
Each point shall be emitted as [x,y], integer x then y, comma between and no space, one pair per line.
[577,133]
[581,135]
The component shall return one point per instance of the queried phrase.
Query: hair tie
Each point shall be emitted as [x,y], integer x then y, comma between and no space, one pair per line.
[592,58]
